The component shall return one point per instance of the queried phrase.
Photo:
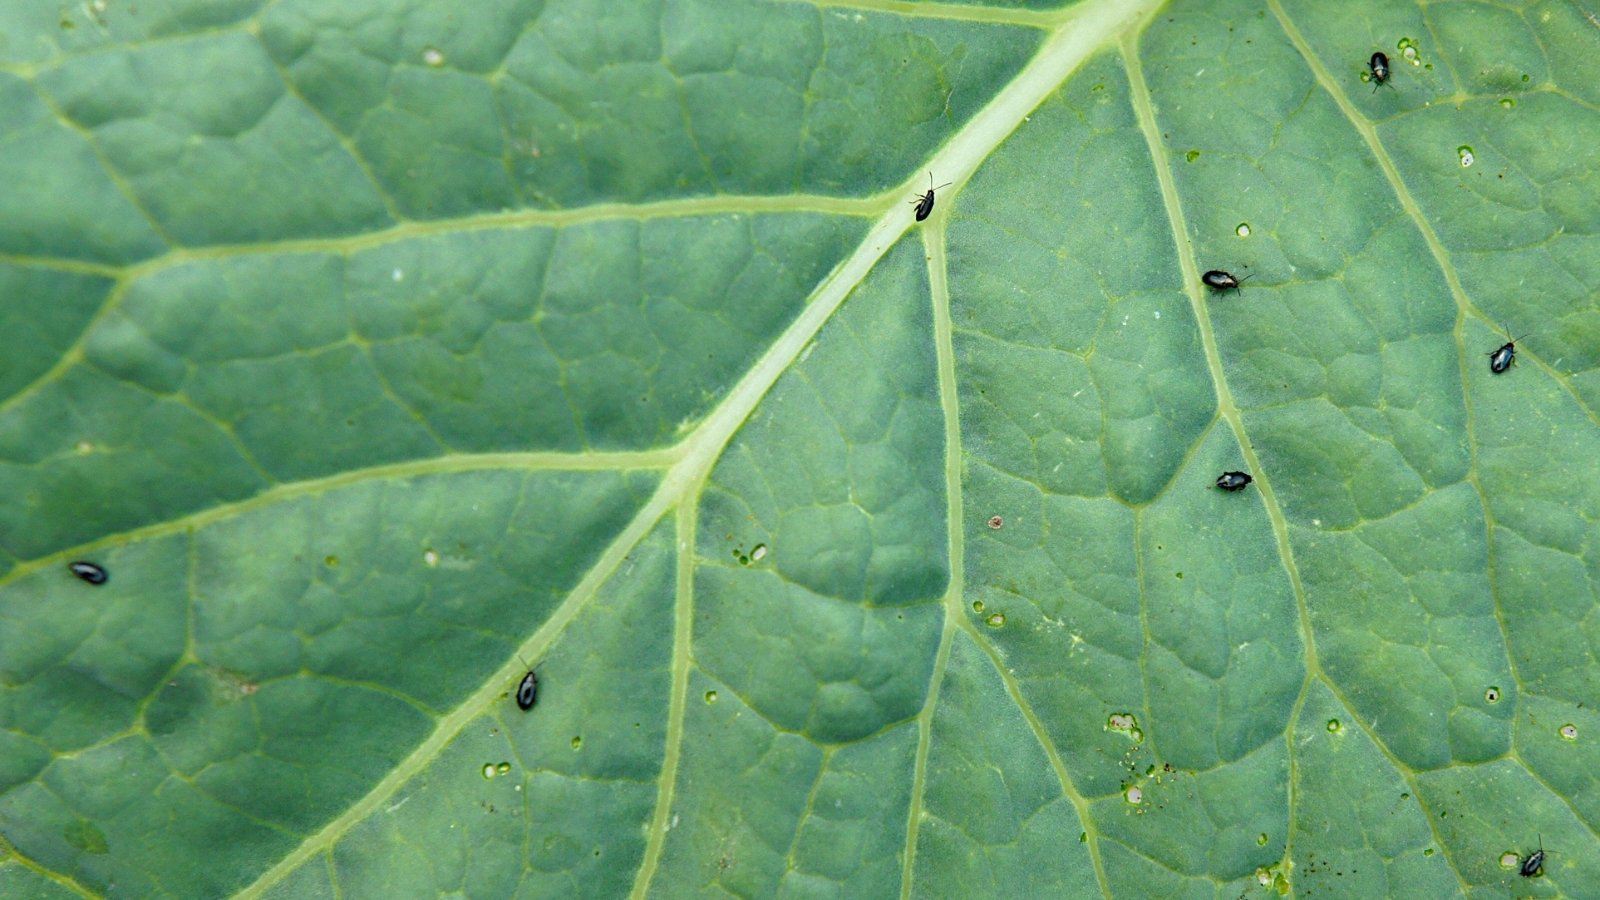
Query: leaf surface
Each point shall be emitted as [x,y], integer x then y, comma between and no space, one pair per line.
[382,352]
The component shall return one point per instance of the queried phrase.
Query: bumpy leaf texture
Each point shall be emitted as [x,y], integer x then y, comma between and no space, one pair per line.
[381,350]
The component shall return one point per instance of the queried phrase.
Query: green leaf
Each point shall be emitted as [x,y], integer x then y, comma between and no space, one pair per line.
[384,351]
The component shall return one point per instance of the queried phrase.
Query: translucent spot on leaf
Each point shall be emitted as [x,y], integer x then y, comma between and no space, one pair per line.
[331,561]
[1569,732]
[1507,102]
[996,522]
[85,447]
[1137,735]
[577,742]
[433,57]
[1125,723]
[488,770]
[1408,50]
[503,768]
[1261,839]
[1134,795]
[431,557]
[1243,230]
[1192,155]
[977,606]
[1465,152]
[758,552]
[997,620]
[1492,694]
[711,696]
[1334,726]
[398,275]
[1509,860]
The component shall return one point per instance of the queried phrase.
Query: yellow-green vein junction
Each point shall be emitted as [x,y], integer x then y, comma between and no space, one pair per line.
[1088,28]
[695,458]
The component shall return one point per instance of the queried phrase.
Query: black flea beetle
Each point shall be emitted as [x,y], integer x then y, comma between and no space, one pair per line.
[1380,69]
[924,204]
[1533,866]
[89,572]
[1504,356]
[1223,281]
[527,691]
[1233,481]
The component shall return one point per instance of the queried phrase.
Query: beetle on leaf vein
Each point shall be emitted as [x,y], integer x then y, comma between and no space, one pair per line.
[1233,481]
[924,204]
[1223,281]
[527,691]
[1505,356]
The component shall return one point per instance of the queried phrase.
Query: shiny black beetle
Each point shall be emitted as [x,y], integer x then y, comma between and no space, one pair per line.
[1233,481]
[527,691]
[1223,281]
[924,204]
[1533,865]
[89,572]
[1379,64]
[1505,356]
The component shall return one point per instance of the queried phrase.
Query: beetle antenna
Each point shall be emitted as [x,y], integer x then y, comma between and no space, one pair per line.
[931,189]
[1507,332]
